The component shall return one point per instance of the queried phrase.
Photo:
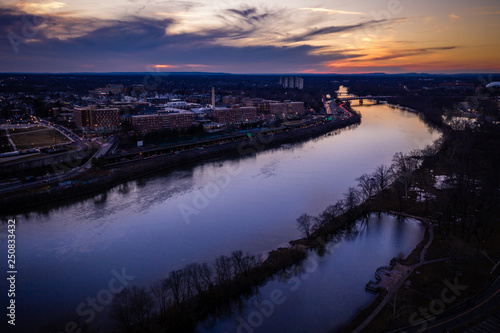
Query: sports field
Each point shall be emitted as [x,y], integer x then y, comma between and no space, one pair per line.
[35,138]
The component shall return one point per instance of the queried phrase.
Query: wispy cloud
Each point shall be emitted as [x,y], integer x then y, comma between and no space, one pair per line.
[332,30]
[271,37]
[40,8]
[332,11]
[398,54]
[490,13]
[136,43]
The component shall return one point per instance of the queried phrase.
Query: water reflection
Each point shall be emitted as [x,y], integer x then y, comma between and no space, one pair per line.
[72,246]
[327,289]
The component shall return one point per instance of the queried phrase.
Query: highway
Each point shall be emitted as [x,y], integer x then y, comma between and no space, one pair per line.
[81,143]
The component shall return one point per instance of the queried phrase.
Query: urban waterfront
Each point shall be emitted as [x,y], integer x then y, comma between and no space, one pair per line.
[162,222]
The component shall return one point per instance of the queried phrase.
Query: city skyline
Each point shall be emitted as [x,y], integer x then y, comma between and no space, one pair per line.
[345,37]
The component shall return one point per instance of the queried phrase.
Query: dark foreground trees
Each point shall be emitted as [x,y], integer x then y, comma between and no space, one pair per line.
[183,295]
[133,307]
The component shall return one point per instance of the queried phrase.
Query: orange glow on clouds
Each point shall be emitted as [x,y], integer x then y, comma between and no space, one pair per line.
[164,66]
[361,36]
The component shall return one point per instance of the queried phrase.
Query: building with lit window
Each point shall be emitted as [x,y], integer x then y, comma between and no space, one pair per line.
[292,82]
[235,115]
[82,117]
[147,123]
[95,118]
[176,120]
[286,109]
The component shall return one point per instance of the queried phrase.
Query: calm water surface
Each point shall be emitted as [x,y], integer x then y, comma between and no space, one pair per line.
[326,291]
[151,226]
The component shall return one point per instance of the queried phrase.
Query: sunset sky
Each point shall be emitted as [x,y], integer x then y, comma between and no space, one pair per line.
[293,36]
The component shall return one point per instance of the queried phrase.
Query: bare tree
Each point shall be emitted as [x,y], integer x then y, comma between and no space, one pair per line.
[174,282]
[223,267]
[304,224]
[367,186]
[121,308]
[339,208]
[188,281]
[249,261]
[237,258]
[132,307]
[351,198]
[142,305]
[328,215]
[206,273]
[195,273]
[404,166]
[382,177]
[161,294]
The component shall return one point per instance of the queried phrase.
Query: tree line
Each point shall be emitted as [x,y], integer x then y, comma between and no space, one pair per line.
[171,302]
[398,176]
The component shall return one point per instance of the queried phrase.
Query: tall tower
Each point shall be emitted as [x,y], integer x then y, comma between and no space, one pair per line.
[213,98]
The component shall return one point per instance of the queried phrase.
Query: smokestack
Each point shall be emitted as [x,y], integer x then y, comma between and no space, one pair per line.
[213,98]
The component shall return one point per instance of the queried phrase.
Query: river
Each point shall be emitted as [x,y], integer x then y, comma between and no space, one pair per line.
[324,292]
[68,254]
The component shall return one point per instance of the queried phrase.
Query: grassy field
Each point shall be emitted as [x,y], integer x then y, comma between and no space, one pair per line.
[37,138]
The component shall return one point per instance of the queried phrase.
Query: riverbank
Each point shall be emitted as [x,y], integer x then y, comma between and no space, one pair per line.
[464,252]
[117,172]
[436,263]
[152,204]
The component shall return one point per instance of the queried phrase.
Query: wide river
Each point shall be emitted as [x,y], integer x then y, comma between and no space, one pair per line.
[68,255]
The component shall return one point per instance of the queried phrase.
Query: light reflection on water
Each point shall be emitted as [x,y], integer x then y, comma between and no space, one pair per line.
[66,252]
[326,291]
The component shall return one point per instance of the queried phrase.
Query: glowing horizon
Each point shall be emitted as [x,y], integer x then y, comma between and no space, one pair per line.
[345,37]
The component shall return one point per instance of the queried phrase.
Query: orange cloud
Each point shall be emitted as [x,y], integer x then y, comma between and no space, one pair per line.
[164,66]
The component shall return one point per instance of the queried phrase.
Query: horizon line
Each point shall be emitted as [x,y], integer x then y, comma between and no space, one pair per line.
[262,74]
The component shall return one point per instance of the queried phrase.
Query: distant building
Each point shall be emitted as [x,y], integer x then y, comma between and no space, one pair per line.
[177,104]
[262,105]
[176,120]
[115,89]
[286,109]
[292,82]
[202,112]
[227,100]
[279,109]
[105,119]
[198,98]
[147,123]
[158,99]
[461,86]
[235,115]
[66,114]
[165,110]
[82,117]
[97,118]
